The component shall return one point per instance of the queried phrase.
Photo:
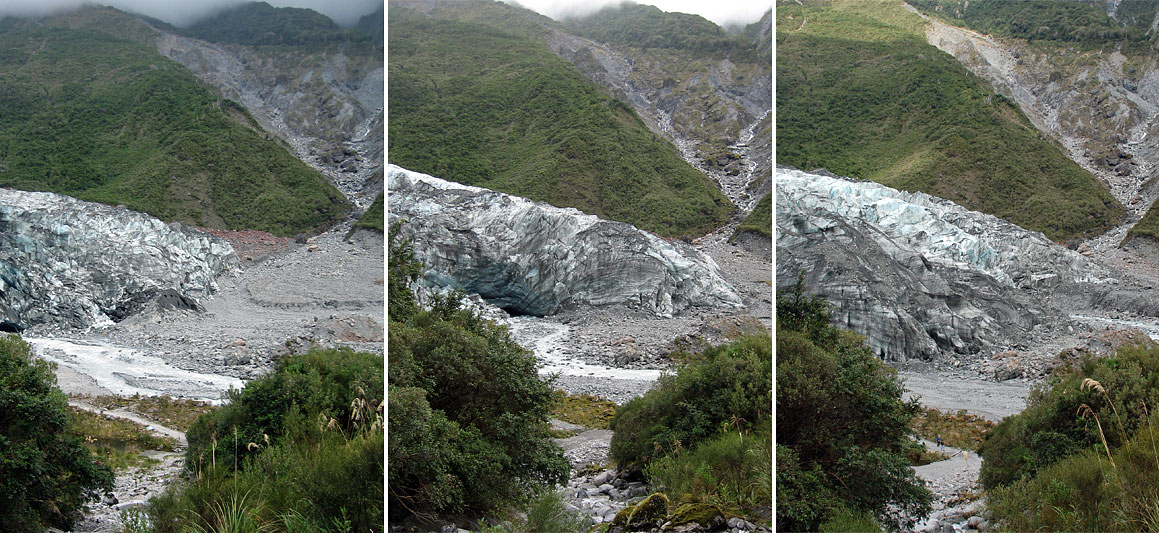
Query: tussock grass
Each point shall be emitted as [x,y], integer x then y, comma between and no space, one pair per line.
[118,443]
[960,429]
[177,413]
[583,409]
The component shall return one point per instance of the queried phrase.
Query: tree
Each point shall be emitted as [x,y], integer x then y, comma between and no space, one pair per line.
[841,424]
[468,410]
[45,476]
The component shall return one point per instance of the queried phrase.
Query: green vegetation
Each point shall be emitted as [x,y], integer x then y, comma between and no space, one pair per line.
[644,26]
[177,413]
[760,220]
[1147,227]
[1089,461]
[960,430]
[704,434]
[1049,429]
[861,93]
[118,443]
[372,219]
[480,106]
[583,409]
[1082,21]
[468,410]
[259,24]
[842,427]
[120,124]
[300,449]
[46,475]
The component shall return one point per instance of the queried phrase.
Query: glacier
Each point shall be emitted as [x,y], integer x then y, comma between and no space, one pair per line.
[531,258]
[76,264]
[920,276]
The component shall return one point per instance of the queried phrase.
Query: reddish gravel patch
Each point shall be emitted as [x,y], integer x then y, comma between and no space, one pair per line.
[251,245]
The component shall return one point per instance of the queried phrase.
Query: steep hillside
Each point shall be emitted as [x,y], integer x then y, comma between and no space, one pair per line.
[861,93]
[495,109]
[1094,92]
[704,90]
[105,118]
[316,86]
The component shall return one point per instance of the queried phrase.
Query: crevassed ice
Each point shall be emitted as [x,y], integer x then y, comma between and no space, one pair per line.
[938,229]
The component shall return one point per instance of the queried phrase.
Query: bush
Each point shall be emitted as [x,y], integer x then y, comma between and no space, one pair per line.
[725,387]
[1049,429]
[300,449]
[731,469]
[842,427]
[45,475]
[469,411]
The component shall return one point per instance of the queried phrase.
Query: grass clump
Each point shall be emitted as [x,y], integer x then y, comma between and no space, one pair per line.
[861,93]
[176,413]
[119,443]
[583,409]
[760,220]
[960,430]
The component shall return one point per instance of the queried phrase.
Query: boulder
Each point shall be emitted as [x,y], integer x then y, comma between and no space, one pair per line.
[645,515]
[706,516]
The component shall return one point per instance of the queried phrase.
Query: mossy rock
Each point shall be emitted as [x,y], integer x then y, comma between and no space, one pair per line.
[644,515]
[706,515]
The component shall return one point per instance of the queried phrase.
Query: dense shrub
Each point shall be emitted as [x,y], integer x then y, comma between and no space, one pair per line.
[469,412]
[301,447]
[842,427]
[733,468]
[1050,429]
[45,476]
[725,387]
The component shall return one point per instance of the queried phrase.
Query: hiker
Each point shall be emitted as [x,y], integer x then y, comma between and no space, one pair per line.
[940,443]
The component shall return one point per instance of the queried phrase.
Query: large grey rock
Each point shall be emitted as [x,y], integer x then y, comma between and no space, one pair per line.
[534,259]
[77,264]
[918,275]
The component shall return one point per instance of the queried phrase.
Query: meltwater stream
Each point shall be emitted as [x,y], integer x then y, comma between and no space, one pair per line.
[128,371]
[547,340]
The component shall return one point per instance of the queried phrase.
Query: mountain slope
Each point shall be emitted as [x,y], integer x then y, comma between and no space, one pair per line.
[107,119]
[860,93]
[494,109]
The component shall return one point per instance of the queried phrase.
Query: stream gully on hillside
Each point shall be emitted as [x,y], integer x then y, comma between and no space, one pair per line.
[127,371]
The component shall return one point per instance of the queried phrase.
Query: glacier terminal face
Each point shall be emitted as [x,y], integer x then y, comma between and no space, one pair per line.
[918,275]
[78,264]
[532,258]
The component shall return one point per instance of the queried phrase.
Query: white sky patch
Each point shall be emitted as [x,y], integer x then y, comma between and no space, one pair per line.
[722,12]
[186,12]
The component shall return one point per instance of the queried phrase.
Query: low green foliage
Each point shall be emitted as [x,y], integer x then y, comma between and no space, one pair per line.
[644,26]
[1146,228]
[477,105]
[846,521]
[760,220]
[861,93]
[469,412]
[583,409]
[842,427]
[46,475]
[1049,429]
[960,430]
[116,441]
[917,454]
[733,470]
[724,388]
[303,445]
[373,218]
[177,413]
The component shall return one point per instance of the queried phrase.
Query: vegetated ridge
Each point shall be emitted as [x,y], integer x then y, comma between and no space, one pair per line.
[104,118]
[489,108]
[861,93]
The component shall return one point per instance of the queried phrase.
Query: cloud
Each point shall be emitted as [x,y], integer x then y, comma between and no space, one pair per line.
[186,12]
[722,12]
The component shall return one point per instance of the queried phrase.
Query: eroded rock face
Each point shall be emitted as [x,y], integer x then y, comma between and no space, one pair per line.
[532,258]
[76,264]
[918,275]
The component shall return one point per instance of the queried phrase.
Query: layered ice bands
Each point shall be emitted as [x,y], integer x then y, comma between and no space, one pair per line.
[940,230]
[77,264]
[531,258]
[921,277]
